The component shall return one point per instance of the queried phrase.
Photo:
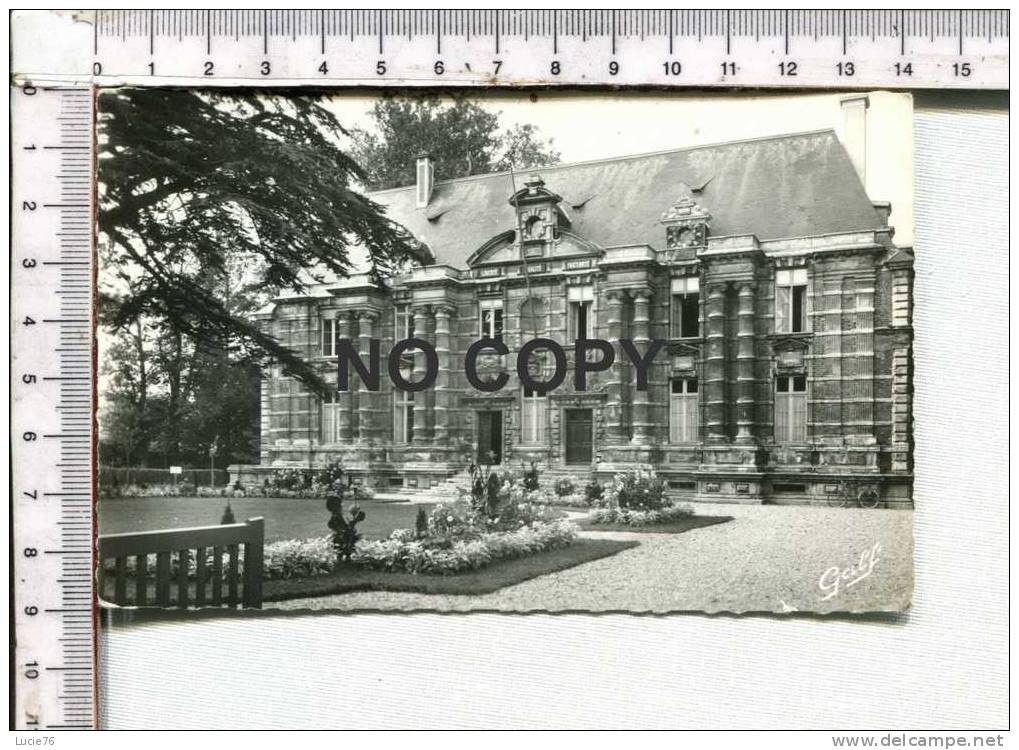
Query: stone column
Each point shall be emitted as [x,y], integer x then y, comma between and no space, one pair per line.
[614,417]
[641,337]
[420,436]
[345,399]
[714,363]
[367,421]
[745,361]
[442,382]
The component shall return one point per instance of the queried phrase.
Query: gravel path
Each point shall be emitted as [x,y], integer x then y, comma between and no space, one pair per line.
[768,559]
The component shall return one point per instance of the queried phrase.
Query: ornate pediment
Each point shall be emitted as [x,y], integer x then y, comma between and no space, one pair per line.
[791,353]
[686,227]
[683,357]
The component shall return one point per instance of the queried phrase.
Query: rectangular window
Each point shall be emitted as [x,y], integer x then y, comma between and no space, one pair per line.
[403,324]
[683,414]
[491,319]
[791,315]
[580,299]
[791,409]
[329,423]
[328,338]
[686,308]
[403,416]
[533,417]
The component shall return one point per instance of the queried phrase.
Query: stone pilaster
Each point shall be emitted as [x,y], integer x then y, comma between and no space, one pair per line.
[345,399]
[745,426]
[614,406]
[714,363]
[367,418]
[420,436]
[443,379]
[641,337]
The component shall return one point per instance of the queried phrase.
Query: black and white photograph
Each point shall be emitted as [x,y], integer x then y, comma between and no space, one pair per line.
[546,351]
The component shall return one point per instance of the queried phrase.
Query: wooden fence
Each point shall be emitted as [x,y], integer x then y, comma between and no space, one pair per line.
[188,563]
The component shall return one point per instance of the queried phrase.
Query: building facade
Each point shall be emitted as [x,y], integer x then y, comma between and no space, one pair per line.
[774,281]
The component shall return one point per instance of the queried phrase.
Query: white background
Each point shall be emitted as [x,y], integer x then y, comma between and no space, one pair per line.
[943,665]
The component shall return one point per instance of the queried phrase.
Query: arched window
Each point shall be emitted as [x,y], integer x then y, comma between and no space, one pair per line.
[532,316]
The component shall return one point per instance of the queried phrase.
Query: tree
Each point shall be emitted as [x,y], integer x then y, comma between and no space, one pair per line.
[462,139]
[190,180]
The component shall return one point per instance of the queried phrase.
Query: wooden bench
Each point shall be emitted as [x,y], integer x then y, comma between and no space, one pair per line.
[211,583]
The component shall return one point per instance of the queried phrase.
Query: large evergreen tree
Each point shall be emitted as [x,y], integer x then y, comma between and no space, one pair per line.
[462,138]
[189,180]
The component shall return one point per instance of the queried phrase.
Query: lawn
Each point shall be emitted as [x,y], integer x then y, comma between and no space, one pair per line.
[672,527]
[349,578]
[285,518]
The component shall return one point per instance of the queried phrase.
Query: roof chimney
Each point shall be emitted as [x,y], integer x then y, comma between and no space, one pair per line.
[425,180]
[854,132]
[884,210]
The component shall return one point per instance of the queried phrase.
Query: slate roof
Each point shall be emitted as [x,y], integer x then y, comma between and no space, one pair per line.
[778,187]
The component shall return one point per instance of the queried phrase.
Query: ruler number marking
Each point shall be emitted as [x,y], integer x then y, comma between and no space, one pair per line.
[729,68]
[672,67]
[788,68]
[846,68]
[209,68]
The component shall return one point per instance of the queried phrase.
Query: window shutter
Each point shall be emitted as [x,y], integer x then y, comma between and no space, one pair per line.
[783,304]
[781,418]
[328,431]
[676,419]
[691,418]
[798,417]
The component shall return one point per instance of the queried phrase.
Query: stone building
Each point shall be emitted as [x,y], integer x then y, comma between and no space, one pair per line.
[763,264]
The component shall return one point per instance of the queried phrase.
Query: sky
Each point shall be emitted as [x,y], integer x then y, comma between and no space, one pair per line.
[589,126]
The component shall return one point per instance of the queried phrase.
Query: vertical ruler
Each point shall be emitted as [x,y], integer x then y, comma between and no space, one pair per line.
[51,408]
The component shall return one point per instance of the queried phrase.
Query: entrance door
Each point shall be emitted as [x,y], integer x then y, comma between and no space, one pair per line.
[489,437]
[579,436]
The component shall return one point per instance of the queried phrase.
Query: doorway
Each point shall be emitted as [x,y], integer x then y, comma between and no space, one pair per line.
[579,435]
[489,437]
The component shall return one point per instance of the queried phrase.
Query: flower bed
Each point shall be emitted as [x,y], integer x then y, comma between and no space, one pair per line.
[408,555]
[632,517]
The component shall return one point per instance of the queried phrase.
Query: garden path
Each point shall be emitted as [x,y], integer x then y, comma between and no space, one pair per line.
[768,559]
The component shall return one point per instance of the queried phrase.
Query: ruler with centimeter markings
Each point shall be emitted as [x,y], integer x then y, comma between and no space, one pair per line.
[51,408]
[57,56]
[675,48]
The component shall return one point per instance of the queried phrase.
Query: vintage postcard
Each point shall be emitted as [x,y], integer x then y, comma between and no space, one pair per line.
[516,351]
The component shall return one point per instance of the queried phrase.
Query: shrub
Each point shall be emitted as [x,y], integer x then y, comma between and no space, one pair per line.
[345,534]
[593,492]
[228,515]
[636,489]
[530,478]
[631,517]
[564,487]
[295,558]
[421,522]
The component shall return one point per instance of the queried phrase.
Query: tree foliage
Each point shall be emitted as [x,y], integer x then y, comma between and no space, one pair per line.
[189,180]
[461,137]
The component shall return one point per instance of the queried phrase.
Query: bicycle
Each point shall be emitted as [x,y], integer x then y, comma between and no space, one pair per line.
[844,494]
